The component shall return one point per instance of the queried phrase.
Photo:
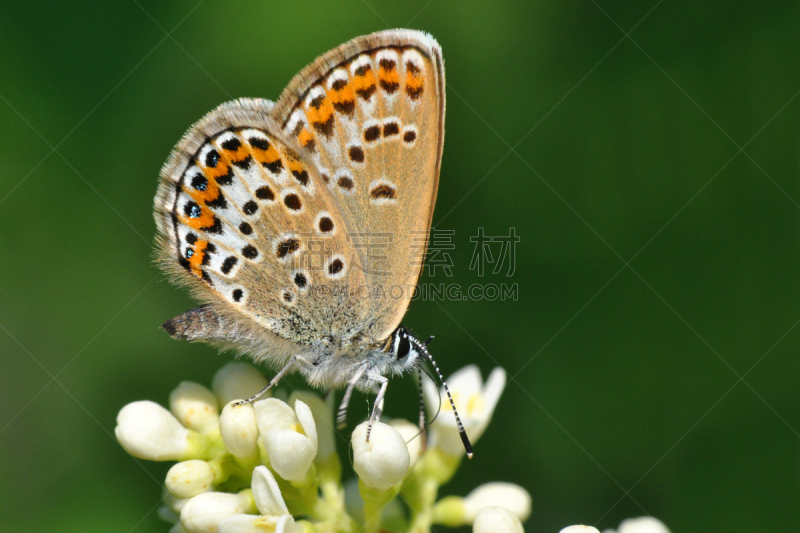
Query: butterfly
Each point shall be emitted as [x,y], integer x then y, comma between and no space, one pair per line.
[294,222]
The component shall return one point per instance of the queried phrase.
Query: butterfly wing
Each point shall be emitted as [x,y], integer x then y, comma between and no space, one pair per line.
[251,227]
[370,114]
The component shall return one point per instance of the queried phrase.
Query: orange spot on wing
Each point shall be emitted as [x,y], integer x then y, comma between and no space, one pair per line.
[319,112]
[295,165]
[201,197]
[363,82]
[306,138]
[268,156]
[205,220]
[238,156]
[388,76]
[414,83]
[222,169]
[196,261]
[343,99]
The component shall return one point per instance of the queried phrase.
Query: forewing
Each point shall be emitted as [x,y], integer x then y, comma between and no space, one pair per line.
[370,113]
[248,224]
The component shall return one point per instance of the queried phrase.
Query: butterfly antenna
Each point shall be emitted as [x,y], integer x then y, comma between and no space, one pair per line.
[461,431]
[422,424]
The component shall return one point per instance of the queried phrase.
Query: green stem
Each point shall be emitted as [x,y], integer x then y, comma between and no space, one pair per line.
[374,502]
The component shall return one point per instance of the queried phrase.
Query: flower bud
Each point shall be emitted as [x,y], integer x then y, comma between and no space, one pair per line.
[382,462]
[496,520]
[411,436]
[507,495]
[148,431]
[267,494]
[194,406]
[189,478]
[290,437]
[202,513]
[645,524]
[237,381]
[239,430]
[579,529]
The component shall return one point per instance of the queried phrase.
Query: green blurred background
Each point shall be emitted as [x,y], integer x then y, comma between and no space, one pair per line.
[652,180]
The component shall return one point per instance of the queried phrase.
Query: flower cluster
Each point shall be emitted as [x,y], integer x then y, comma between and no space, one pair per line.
[273,466]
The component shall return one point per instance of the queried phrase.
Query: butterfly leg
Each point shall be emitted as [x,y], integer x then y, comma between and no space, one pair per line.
[285,370]
[378,408]
[341,417]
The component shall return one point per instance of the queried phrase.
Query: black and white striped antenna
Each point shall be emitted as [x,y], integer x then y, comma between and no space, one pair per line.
[461,431]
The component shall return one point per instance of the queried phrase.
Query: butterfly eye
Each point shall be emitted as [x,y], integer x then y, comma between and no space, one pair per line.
[403,347]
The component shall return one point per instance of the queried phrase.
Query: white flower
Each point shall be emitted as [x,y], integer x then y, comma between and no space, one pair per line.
[270,504]
[411,435]
[474,401]
[194,406]
[237,381]
[644,524]
[202,513]
[239,430]
[290,437]
[189,478]
[507,495]
[382,462]
[496,520]
[177,528]
[579,529]
[148,431]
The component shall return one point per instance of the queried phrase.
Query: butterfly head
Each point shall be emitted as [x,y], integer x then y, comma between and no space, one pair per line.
[406,351]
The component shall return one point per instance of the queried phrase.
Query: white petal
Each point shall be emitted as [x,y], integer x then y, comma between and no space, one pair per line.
[290,453]
[267,494]
[323,416]
[202,513]
[189,478]
[496,520]
[382,462]
[306,418]
[286,524]
[237,381]
[177,528]
[239,429]
[410,433]
[492,390]
[194,406]
[274,414]
[148,431]
[579,529]
[466,381]
[645,524]
[507,495]
[239,523]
